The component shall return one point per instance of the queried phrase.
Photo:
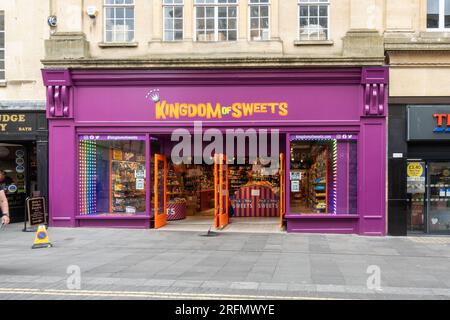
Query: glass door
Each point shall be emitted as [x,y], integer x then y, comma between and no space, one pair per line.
[159,191]
[221,197]
[438,197]
[416,190]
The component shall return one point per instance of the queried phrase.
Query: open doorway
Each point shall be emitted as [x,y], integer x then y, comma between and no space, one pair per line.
[244,193]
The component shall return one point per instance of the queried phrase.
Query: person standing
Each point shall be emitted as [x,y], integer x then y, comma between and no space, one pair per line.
[4,207]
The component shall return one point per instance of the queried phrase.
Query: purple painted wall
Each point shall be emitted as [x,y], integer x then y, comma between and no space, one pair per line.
[351,100]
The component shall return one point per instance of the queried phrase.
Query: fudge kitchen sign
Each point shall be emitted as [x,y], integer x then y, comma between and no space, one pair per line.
[428,123]
[182,110]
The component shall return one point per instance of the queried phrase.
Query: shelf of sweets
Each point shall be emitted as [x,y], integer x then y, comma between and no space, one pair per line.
[174,184]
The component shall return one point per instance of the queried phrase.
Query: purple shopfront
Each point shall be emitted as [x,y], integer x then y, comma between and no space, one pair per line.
[110,130]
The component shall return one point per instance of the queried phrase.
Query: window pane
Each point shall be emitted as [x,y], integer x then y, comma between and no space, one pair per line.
[168,24]
[2,21]
[254,23]
[313,11]
[222,24]
[109,24]
[109,36]
[222,12]
[178,35]
[120,13]
[2,54]
[447,13]
[2,39]
[200,24]
[112,177]
[130,24]
[209,12]
[168,12]
[168,36]
[254,11]
[200,12]
[264,11]
[178,24]
[209,23]
[109,13]
[179,12]
[232,35]
[232,24]
[433,14]
[2,75]
[130,36]
[323,176]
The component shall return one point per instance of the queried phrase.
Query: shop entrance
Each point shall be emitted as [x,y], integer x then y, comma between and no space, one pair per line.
[428,188]
[191,196]
[18,175]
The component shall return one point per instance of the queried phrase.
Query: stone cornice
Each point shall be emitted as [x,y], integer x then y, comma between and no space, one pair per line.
[216,62]
[427,41]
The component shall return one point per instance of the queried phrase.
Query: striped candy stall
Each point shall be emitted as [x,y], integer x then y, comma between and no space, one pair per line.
[255,201]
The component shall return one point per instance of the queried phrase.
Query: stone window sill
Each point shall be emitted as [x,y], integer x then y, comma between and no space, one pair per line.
[313,43]
[2,83]
[118,44]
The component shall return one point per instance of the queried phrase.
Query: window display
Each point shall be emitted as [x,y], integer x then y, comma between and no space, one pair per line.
[112,175]
[323,175]
[13,173]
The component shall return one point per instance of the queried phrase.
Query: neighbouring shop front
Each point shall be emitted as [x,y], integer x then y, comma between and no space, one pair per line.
[23,156]
[419,168]
[141,148]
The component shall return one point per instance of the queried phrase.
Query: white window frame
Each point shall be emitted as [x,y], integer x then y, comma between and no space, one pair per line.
[122,5]
[314,3]
[259,4]
[2,49]
[441,26]
[216,6]
[173,5]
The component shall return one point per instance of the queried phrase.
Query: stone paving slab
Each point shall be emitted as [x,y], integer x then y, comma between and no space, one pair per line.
[232,263]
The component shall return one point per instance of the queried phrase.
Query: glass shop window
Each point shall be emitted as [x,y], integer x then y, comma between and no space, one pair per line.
[112,176]
[323,175]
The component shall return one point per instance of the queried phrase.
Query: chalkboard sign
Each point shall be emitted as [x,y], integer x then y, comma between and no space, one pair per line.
[36,211]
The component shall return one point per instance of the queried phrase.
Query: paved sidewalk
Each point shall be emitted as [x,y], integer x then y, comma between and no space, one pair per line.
[151,264]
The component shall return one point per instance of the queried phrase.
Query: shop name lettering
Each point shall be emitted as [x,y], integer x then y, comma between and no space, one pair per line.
[166,110]
[6,119]
[440,122]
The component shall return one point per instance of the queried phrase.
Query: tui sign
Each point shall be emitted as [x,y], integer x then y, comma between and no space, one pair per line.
[427,123]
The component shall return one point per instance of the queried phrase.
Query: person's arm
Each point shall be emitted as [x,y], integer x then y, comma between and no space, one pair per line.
[4,207]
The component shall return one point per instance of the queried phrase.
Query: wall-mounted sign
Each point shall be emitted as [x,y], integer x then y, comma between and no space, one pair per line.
[140,184]
[415,177]
[295,186]
[428,123]
[296,175]
[111,138]
[170,110]
[12,122]
[311,137]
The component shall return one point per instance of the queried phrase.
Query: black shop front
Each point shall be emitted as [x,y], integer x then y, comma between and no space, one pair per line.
[419,169]
[23,157]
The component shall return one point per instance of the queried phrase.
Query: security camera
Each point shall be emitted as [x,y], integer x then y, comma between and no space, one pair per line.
[92,12]
[52,21]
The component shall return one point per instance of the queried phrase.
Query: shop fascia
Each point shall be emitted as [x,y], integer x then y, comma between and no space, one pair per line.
[258,145]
